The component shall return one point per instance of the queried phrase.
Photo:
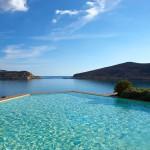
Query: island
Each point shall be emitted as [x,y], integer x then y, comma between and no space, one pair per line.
[16,75]
[125,71]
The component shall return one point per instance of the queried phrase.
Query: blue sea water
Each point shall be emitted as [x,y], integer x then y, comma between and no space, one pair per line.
[74,122]
[50,85]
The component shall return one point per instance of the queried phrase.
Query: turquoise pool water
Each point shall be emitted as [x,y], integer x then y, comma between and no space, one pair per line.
[74,122]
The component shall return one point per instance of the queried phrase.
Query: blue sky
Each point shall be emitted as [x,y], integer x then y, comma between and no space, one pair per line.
[63,37]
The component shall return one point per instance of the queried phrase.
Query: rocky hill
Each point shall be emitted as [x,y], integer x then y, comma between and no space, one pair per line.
[16,75]
[128,70]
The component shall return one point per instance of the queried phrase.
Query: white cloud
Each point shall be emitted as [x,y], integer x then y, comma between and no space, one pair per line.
[13,5]
[60,13]
[95,8]
[92,9]
[20,51]
[67,12]
[90,3]
[81,17]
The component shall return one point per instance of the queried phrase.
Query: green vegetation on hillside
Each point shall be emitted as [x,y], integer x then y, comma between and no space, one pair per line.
[125,89]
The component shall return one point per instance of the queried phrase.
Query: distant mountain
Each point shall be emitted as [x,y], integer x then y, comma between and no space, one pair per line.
[16,75]
[128,70]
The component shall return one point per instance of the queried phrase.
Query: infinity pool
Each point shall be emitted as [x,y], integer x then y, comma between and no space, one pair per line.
[74,122]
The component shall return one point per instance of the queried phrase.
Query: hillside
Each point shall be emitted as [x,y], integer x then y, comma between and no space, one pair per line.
[16,75]
[128,70]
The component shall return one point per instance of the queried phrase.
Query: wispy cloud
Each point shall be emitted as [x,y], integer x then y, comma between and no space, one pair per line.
[13,5]
[64,37]
[17,57]
[80,17]
[92,9]
[60,13]
[22,52]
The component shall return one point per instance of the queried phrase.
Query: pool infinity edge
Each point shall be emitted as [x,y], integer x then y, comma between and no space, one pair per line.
[8,98]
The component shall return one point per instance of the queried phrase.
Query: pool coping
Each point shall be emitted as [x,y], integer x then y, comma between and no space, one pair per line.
[73,91]
[8,98]
[97,94]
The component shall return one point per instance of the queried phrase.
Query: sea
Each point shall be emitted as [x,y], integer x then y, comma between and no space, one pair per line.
[56,84]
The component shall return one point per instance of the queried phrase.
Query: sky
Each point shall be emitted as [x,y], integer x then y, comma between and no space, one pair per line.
[63,37]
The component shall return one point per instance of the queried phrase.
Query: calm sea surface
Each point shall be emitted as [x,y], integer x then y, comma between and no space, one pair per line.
[50,85]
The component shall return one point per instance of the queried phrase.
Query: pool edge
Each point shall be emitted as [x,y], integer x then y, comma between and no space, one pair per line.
[8,98]
[72,91]
[13,97]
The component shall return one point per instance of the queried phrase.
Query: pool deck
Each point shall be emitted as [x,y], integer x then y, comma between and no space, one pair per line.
[8,98]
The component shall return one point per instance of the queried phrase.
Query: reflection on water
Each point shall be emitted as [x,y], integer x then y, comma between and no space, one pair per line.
[49,85]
